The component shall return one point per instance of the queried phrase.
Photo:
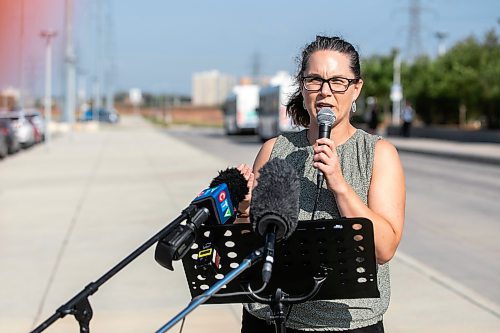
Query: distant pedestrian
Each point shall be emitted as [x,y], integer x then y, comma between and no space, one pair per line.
[407,116]
[374,119]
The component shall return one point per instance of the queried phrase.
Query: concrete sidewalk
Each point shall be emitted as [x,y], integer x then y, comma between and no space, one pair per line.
[71,211]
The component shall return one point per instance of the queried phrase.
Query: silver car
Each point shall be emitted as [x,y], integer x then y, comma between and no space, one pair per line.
[24,130]
[38,122]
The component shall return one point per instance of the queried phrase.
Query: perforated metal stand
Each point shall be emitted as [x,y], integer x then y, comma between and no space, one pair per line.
[340,253]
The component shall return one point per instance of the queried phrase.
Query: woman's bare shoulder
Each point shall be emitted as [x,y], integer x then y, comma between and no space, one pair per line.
[264,154]
[385,150]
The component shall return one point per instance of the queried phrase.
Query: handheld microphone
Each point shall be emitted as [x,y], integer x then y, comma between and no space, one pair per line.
[212,206]
[274,208]
[326,118]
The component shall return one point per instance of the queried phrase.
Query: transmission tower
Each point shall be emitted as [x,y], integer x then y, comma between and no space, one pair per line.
[414,41]
[256,67]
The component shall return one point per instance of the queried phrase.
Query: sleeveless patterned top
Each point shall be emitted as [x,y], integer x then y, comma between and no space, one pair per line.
[356,160]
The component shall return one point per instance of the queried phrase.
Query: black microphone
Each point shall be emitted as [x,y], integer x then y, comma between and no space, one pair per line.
[274,207]
[326,118]
[235,182]
[214,205]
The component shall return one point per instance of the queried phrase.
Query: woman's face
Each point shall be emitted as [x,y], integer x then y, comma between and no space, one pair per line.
[328,64]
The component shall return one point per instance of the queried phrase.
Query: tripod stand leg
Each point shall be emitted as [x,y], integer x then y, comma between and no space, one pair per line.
[83,313]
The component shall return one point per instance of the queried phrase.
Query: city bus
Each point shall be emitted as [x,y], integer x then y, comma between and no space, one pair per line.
[273,119]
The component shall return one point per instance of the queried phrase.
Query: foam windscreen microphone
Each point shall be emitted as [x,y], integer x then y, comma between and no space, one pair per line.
[223,196]
[274,207]
[235,182]
[214,205]
[275,199]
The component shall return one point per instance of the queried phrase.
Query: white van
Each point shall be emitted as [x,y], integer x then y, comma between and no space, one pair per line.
[240,110]
[273,119]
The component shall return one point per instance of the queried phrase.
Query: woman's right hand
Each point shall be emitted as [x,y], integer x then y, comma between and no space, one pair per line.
[244,206]
[248,172]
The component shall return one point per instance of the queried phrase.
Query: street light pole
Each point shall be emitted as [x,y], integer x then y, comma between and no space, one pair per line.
[396,89]
[441,36]
[48,35]
[70,59]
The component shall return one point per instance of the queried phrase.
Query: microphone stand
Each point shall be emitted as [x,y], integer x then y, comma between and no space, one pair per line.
[279,299]
[79,305]
[248,262]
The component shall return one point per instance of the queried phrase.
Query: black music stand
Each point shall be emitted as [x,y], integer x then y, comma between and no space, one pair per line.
[328,259]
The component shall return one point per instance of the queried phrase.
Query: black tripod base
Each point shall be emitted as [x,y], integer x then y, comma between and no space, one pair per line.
[278,312]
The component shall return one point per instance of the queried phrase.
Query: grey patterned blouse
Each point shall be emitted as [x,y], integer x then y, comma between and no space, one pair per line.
[356,160]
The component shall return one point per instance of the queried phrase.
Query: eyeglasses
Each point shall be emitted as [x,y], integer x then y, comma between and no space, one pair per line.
[337,84]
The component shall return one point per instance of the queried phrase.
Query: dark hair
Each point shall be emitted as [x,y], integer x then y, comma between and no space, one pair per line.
[294,107]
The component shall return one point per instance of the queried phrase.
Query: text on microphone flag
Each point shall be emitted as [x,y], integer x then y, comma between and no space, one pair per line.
[222,196]
[218,198]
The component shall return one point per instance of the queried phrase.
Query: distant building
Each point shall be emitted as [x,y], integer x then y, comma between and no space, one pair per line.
[9,98]
[211,88]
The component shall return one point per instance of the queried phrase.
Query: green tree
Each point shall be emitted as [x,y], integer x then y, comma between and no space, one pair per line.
[489,74]
[467,78]
[420,82]
[377,76]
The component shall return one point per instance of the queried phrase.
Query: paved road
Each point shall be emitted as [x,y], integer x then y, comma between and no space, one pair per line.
[452,208]
[452,214]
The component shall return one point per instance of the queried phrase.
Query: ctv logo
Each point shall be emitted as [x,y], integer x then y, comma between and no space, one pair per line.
[222,196]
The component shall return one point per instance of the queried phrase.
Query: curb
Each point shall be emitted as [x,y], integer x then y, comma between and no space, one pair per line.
[450,155]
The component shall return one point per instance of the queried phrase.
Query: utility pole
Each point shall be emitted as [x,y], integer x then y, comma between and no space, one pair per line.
[48,35]
[21,58]
[94,73]
[70,59]
[98,75]
[109,56]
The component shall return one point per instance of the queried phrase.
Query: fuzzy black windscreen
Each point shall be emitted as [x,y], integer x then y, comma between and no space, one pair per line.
[276,196]
[236,184]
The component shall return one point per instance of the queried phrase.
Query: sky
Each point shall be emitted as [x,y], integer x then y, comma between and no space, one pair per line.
[37,16]
[156,45]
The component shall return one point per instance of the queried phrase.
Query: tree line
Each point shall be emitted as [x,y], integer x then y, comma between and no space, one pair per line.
[459,87]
